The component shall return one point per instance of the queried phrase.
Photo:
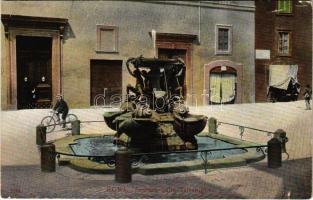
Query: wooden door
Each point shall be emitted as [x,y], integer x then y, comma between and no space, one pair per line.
[174,53]
[34,74]
[105,81]
[11,42]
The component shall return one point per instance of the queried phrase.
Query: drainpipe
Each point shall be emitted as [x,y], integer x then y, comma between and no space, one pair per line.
[61,64]
[199,18]
[194,95]
[153,34]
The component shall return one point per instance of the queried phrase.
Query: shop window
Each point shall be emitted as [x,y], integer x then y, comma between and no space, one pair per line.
[107,38]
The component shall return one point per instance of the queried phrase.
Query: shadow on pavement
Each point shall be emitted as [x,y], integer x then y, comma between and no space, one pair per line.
[30,182]
[296,176]
[293,180]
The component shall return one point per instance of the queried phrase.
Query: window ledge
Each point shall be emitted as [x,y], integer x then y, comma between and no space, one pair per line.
[284,14]
[223,53]
[106,51]
[284,55]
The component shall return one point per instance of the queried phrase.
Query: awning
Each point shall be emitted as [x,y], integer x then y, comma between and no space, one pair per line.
[281,75]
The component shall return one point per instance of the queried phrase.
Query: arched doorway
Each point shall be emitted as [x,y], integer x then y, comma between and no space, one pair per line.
[223,85]
[222,82]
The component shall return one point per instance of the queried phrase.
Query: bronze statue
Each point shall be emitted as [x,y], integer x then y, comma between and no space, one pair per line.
[163,123]
[138,89]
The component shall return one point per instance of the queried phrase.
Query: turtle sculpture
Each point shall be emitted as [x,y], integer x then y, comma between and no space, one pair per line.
[154,117]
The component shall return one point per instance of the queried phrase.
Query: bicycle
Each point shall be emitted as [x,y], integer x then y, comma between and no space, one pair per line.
[50,120]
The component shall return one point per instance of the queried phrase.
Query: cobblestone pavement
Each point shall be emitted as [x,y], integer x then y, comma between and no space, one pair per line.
[21,175]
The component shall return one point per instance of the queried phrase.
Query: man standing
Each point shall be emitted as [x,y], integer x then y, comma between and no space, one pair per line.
[307,96]
[61,108]
[26,94]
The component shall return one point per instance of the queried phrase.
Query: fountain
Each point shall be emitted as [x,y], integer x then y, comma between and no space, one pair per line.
[155,125]
[154,117]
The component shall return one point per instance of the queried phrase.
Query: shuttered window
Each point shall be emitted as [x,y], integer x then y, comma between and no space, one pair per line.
[223,36]
[284,43]
[284,6]
[223,39]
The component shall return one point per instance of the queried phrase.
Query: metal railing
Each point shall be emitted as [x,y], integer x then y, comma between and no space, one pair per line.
[61,123]
[204,153]
[242,128]
[144,156]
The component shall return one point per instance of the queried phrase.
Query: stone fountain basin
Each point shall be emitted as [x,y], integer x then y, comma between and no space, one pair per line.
[159,164]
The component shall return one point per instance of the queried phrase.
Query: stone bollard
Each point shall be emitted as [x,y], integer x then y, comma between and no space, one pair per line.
[75,127]
[274,156]
[41,132]
[123,170]
[281,135]
[48,157]
[212,126]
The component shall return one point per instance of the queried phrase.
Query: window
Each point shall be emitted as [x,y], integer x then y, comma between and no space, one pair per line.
[284,43]
[223,39]
[284,6]
[107,39]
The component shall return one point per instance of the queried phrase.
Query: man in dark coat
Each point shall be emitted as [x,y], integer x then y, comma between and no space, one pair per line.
[26,93]
[61,107]
[307,96]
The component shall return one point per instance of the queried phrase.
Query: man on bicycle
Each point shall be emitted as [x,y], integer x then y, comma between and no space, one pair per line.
[61,107]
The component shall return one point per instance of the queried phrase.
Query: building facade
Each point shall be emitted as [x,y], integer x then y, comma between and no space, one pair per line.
[79,48]
[283,40]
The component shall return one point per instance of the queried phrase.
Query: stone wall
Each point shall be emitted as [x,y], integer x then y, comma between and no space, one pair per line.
[135,20]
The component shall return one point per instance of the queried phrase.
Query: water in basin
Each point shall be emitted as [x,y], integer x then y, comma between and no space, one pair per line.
[103,146]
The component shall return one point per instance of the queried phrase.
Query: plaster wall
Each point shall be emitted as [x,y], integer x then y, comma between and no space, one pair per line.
[135,20]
